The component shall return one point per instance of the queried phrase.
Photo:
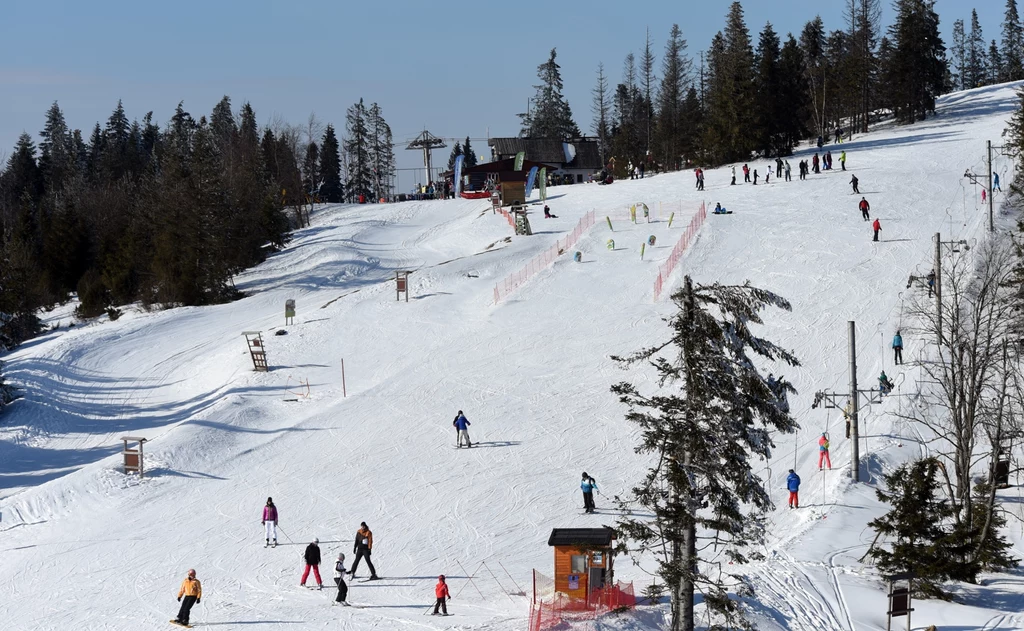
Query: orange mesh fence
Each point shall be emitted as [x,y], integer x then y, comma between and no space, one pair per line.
[665,270]
[514,280]
[547,614]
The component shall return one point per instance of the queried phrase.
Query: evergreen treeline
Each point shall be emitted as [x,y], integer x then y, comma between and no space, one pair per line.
[166,216]
[750,96]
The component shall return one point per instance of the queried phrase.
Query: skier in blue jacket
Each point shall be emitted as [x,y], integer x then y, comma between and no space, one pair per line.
[461,424]
[897,348]
[588,485]
[793,484]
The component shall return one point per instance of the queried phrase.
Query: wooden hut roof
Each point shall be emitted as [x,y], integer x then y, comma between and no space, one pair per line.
[551,151]
[581,537]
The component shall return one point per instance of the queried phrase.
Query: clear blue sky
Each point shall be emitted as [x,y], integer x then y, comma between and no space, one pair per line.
[457,68]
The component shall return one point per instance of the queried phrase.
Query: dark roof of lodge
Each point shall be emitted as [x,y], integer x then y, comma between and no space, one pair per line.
[550,150]
[581,536]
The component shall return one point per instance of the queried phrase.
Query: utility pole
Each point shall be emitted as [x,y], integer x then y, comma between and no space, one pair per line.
[852,408]
[988,156]
[938,284]
[854,430]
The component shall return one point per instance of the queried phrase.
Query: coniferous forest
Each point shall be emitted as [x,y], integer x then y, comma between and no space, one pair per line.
[166,215]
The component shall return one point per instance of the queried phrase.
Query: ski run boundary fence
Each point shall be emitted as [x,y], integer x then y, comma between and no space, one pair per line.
[514,280]
[560,608]
[665,270]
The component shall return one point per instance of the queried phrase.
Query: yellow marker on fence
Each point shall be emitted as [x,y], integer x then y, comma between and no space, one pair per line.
[670,218]
[610,224]
[642,246]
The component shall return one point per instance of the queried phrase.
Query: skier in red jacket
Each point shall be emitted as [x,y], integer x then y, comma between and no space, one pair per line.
[877,227]
[441,591]
[864,208]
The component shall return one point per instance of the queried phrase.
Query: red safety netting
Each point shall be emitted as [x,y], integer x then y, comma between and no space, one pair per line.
[546,614]
[542,260]
[508,216]
[665,270]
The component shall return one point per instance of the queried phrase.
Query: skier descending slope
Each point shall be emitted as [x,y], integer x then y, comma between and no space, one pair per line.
[270,521]
[441,592]
[588,485]
[192,590]
[461,425]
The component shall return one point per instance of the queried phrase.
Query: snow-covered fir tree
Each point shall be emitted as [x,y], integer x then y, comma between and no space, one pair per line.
[711,416]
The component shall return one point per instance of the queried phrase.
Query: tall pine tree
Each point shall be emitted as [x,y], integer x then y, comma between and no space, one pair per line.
[551,116]
[915,68]
[382,153]
[358,147]
[672,126]
[331,191]
[1013,44]
[977,66]
[710,417]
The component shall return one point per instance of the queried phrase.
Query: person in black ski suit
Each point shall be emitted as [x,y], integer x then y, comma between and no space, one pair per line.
[362,549]
[854,181]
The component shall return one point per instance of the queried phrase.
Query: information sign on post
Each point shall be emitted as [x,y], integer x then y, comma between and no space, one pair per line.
[402,285]
[289,311]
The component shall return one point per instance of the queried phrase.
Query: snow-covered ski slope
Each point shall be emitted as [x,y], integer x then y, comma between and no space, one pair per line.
[86,547]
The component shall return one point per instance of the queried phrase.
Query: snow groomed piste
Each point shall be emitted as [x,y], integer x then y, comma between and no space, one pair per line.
[87,547]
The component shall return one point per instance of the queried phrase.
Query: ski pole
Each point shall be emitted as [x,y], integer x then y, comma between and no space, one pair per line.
[285,535]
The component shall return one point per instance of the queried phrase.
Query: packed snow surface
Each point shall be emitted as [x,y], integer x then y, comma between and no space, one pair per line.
[86,547]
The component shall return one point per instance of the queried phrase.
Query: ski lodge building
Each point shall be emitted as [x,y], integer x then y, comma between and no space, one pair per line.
[577,159]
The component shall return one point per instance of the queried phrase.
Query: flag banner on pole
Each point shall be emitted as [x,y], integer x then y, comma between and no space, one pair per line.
[458,174]
[529,181]
[520,157]
[543,184]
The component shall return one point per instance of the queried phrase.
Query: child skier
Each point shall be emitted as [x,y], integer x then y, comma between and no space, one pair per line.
[461,425]
[588,485]
[441,592]
[312,558]
[339,580]
[897,348]
[885,385]
[270,521]
[823,452]
[746,173]
[192,590]
[793,484]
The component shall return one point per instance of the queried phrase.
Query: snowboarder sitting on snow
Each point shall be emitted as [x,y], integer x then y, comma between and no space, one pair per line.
[547,213]
[441,592]
[270,521]
[461,425]
[192,590]
[362,549]
[588,485]
[884,385]
[719,210]
[793,484]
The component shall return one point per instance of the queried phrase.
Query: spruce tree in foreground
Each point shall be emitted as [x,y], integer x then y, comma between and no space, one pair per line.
[712,415]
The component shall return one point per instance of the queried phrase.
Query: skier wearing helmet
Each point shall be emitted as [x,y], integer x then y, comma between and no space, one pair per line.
[441,591]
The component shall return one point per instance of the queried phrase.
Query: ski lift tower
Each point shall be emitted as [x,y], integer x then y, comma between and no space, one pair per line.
[427,142]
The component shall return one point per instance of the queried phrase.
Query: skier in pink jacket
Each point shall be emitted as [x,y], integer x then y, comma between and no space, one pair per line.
[270,521]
